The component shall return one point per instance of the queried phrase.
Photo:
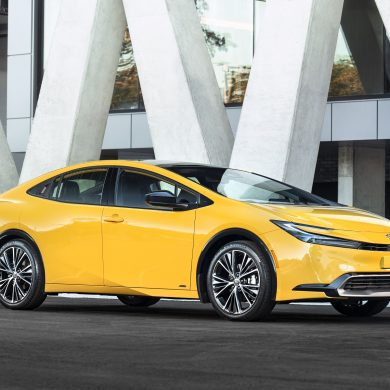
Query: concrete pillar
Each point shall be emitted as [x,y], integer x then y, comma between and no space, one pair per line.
[183,104]
[77,87]
[8,172]
[362,176]
[369,178]
[384,10]
[345,183]
[283,112]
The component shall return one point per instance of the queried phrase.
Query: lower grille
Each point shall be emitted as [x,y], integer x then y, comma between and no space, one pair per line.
[375,247]
[367,283]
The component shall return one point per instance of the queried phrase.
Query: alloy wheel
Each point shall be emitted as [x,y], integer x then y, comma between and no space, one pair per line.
[236,282]
[15,274]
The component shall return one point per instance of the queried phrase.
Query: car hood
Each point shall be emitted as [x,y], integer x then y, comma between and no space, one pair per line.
[337,218]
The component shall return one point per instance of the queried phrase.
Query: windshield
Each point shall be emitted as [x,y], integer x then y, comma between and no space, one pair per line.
[248,187]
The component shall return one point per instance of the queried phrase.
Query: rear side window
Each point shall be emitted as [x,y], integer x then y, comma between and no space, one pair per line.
[41,190]
[84,187]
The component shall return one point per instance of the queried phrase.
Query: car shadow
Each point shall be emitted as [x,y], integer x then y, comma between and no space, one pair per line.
[197,311]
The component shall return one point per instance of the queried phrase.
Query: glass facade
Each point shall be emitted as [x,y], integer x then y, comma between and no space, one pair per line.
[230,27]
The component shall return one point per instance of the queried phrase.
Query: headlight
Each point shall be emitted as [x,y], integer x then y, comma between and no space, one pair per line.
[296,230]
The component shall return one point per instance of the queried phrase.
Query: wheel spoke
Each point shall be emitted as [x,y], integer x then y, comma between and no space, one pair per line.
[237,301]
[223,289]
[228,300]
[251,292]
[228,262]
[218,279]
[7,262]
[249,273]
[21,293]
[27,268]
[221,263]
[20,260]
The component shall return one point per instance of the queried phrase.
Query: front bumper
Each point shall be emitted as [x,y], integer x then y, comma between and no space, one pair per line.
[368,285]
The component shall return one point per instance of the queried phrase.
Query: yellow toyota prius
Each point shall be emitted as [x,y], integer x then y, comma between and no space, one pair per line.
[146,230]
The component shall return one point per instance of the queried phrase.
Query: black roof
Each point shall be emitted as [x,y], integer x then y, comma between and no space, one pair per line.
[172,164]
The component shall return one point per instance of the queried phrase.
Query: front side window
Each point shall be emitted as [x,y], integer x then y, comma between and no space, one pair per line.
[80,187]
[248,187]
[132,187]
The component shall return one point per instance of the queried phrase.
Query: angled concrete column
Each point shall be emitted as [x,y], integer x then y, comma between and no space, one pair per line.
[8,173]
[77,87]
[283,112]
[362,175]
[384,10]
[185,112]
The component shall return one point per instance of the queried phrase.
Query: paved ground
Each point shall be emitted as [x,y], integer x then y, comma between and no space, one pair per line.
[91,343]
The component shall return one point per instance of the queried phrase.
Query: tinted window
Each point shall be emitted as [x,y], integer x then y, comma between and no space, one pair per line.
[248,187]
[41,190]
[80,187]
[132,188]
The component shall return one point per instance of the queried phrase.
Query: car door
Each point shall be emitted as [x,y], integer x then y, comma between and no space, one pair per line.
[145,246]
[69,228]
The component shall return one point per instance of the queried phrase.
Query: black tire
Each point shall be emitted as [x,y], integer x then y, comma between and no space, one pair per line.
[253,306]
[22,253]
[138,300]
[360,308]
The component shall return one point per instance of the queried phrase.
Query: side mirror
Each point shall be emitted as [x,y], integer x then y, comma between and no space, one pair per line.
[165,199]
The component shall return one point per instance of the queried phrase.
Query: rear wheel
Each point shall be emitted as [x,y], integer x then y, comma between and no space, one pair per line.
[360,308]
[240,282]
[138,300]
[22,279]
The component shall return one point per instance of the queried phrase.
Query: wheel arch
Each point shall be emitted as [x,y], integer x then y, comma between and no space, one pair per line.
[12,234]
[212,247]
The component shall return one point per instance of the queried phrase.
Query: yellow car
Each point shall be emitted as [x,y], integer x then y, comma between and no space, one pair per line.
[146,230]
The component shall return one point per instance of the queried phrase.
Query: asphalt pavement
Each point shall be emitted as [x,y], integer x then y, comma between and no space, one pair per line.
[102,344]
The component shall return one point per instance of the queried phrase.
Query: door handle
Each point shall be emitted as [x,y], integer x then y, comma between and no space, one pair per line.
[114,219]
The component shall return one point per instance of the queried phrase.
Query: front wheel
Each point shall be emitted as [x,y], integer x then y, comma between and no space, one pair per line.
[240,282]
[138,300]
[360,308]
[22,279]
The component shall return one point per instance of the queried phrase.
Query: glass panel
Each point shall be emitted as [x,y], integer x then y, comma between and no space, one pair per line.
[127,91]
[345,79]
[359,60]
[228,30]
[248,187]
[133,187]
[81,187]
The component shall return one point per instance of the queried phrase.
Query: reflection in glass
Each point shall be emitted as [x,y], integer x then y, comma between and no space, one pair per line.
[345,76]
[228,29]
[127,90]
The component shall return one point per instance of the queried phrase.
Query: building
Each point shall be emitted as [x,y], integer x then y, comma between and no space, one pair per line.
[353,159]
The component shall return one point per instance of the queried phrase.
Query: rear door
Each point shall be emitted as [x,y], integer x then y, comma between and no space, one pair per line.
[68,227]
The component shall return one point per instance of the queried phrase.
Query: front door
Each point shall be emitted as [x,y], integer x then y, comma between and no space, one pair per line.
[143,246]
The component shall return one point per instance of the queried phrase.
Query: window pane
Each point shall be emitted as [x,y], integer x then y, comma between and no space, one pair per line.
[133,187]
[359,60]
[228,30]
[127,91]
[81,187]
